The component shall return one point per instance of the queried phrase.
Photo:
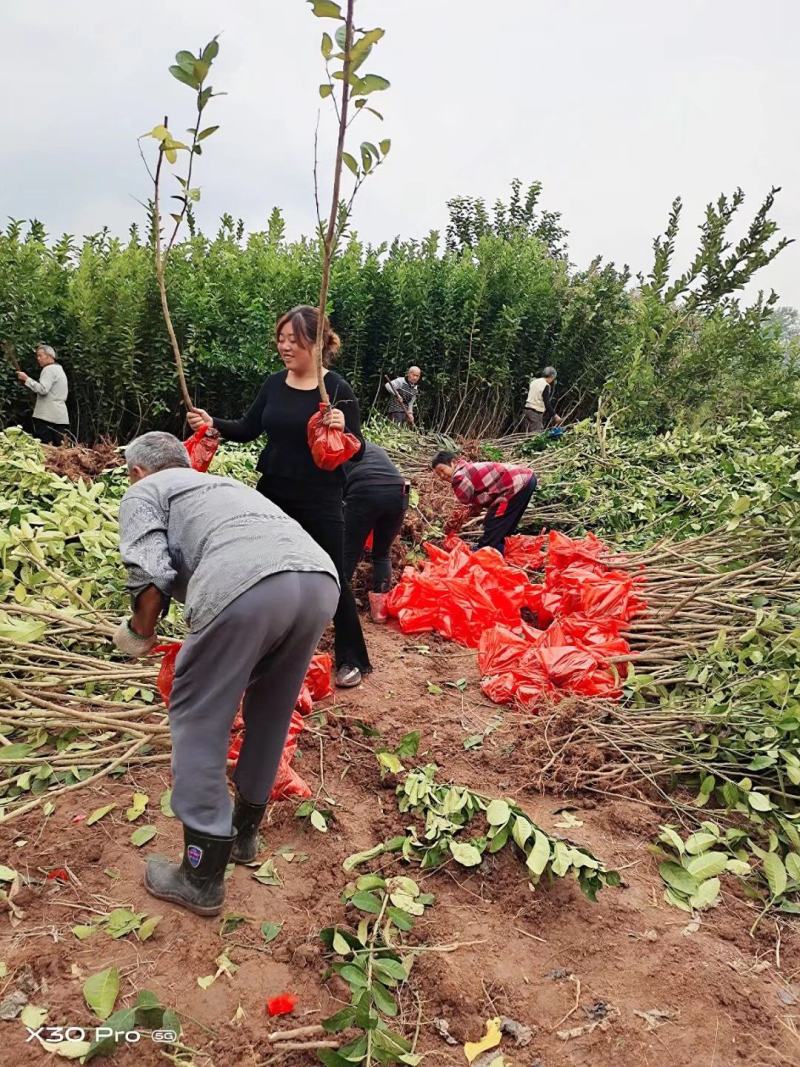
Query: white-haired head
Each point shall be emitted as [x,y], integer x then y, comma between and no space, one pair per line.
[45,354]
[154,451]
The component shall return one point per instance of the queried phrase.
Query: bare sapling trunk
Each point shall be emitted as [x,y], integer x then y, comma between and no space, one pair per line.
[328,238]
[191,70]
[160,257]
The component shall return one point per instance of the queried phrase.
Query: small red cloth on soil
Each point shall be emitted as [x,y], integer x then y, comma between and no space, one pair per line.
[476,598]
[283,1004]
[317,685]
[58,874]
[330,447]
[202,447]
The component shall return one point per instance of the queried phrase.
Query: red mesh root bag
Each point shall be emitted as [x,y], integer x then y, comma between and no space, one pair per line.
[460,593]
[330,447]
[288,782]
[525,551]
[166,672]
[318,676]
[317,684]
[202,447]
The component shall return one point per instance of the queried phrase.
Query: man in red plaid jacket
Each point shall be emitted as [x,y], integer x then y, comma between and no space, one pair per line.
[502,488]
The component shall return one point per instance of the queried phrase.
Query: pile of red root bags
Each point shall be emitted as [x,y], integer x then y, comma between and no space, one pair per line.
[477,598]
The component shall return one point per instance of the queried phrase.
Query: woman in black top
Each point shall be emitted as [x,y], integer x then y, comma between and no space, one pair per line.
[289,476]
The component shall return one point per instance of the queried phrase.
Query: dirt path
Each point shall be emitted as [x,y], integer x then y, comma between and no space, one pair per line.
[549,959]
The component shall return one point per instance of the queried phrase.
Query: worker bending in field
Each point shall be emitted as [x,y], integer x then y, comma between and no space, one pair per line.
[258,592]
[375,499]
[504,489]
[403,392]
[539,407]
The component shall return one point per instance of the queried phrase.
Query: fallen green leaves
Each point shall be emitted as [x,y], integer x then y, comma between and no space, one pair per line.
[165,803]
[119,923]
[99,813]
[143,835]
[448,810]
[391,760]
[138,806]
[371,960]
[318,817]
[269,931]
[225,965]
[147,1013]
[267,873]
[100,991]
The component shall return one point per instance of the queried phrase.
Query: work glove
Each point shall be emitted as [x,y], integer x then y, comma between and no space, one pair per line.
[132,644]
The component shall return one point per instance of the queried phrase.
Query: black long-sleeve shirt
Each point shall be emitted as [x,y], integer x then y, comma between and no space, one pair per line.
[374,471]
[282,413]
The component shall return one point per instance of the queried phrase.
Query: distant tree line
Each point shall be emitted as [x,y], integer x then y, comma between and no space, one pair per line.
[480,311]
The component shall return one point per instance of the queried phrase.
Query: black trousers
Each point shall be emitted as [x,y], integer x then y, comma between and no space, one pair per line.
[51,433]
[497,528]
[322,518]
[382,511]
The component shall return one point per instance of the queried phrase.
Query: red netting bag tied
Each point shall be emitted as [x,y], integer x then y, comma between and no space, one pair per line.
[330,446]
[202,447]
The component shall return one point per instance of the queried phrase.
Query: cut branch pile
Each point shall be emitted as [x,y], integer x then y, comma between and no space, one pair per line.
[69,718]
[697,588]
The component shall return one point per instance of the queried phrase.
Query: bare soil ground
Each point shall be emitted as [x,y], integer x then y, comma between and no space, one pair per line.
[549,959]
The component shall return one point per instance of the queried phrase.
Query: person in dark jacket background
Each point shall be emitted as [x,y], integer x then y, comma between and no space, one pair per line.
[376,499]
[289,476]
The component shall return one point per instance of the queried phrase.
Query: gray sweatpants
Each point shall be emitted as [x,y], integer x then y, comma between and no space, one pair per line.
[259,646]
[534,421]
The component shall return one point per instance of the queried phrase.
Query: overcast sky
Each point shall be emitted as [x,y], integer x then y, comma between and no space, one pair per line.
[616,106]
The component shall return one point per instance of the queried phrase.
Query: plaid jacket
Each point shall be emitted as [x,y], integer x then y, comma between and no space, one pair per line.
[481,485]
[407,393]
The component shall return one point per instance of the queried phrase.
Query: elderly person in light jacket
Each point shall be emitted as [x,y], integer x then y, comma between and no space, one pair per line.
[50,416]
[258,592]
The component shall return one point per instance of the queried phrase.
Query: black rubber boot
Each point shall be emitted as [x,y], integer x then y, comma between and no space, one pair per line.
[246,821]
[197,883]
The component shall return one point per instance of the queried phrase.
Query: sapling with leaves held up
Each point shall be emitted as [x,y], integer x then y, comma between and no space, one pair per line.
[191,70]
[355,46]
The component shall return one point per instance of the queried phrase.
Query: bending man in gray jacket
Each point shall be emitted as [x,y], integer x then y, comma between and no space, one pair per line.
[258,592]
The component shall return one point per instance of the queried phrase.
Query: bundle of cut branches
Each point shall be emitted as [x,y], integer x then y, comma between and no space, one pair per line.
[70,714]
